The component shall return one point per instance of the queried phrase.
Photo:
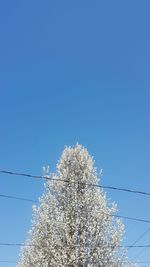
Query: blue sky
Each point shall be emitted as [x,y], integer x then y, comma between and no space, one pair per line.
[74,71]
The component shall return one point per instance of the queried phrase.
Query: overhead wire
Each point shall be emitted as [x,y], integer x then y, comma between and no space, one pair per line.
[34,245]
[143,249]
[66,181]
[140,237]
[87,184]
[131,218]
[134,262]
[139,253]
[112,215]
[8,262]
[43,177]
[18,198]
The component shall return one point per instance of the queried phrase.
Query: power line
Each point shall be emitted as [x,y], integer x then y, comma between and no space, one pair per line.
[88,184]
[112,215]
[130,218]
[111,246]
[141,236]
[140,262]
[18,198]
[139,253]
[66,181]
[8,262]
[143,249]
[16,245]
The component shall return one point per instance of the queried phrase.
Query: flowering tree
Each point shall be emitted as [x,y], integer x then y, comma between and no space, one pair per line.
[73,225]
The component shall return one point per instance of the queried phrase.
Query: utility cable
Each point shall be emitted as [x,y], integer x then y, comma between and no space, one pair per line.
[66,181]
[18,198]
[136,241]
[33,245]
[112,215]
[8,262]
[141,236]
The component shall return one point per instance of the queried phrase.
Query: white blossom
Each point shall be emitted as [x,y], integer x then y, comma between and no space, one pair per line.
[73,225]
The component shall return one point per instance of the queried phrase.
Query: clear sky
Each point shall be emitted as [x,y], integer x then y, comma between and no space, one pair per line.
[74,71]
